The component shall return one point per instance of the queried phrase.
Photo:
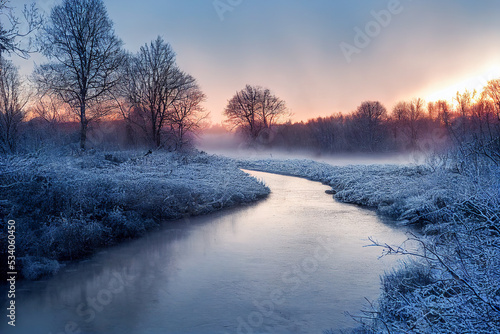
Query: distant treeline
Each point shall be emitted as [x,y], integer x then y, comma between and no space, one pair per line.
[472,123]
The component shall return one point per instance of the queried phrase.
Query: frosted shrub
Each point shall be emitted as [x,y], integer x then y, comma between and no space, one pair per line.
[127,224]
[74,238]
[401,289]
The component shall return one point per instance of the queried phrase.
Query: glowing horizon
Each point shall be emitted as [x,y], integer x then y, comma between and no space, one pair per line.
[471,83]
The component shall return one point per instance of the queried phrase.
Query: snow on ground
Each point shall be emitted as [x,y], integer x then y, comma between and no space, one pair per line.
[67,207]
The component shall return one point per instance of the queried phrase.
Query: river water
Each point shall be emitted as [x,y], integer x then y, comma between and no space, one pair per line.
[291,263]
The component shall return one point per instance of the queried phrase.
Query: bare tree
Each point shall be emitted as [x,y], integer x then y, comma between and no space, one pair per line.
[432,110]
[483,114]
[492,90]
[15,38]
[483,138]
[86,54]
[444,112]
[254,109]
[464,101]
[153,86]
[368,119]
[12,105]
[410,115]
[186,115]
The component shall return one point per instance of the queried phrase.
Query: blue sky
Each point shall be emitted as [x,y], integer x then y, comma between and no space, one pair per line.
[293,47]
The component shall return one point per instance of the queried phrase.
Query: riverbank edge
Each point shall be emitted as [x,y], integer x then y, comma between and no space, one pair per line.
[67,208]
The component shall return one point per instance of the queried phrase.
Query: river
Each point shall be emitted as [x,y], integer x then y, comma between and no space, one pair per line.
[291,263]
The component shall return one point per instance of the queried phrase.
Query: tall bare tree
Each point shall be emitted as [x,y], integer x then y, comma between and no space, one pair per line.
[12,104]
[444,112]
[489,111]
[483,118]
[85,56]
[154,86]
[254,109]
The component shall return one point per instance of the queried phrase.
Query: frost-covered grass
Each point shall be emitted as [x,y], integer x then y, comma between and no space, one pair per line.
[452,283]
[67,207]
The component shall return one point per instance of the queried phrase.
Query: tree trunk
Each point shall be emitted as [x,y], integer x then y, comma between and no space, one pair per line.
[129,133]
[157,138]
[83,127]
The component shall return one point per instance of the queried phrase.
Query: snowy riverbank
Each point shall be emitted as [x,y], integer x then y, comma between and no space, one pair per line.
[452,284]
[67,207]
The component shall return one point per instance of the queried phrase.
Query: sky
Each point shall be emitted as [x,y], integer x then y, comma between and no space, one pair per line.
[320,56]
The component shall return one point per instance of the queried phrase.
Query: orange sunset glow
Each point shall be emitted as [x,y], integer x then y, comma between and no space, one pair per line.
[472,83]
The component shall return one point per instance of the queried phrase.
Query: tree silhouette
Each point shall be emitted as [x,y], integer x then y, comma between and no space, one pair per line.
[85,57]
[156,89]
[367,121]
[254,109]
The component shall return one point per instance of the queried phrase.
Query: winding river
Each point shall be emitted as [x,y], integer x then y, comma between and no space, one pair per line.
[292,263]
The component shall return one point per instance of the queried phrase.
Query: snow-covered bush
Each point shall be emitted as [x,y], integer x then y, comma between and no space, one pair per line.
[127,224]
[72,238]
